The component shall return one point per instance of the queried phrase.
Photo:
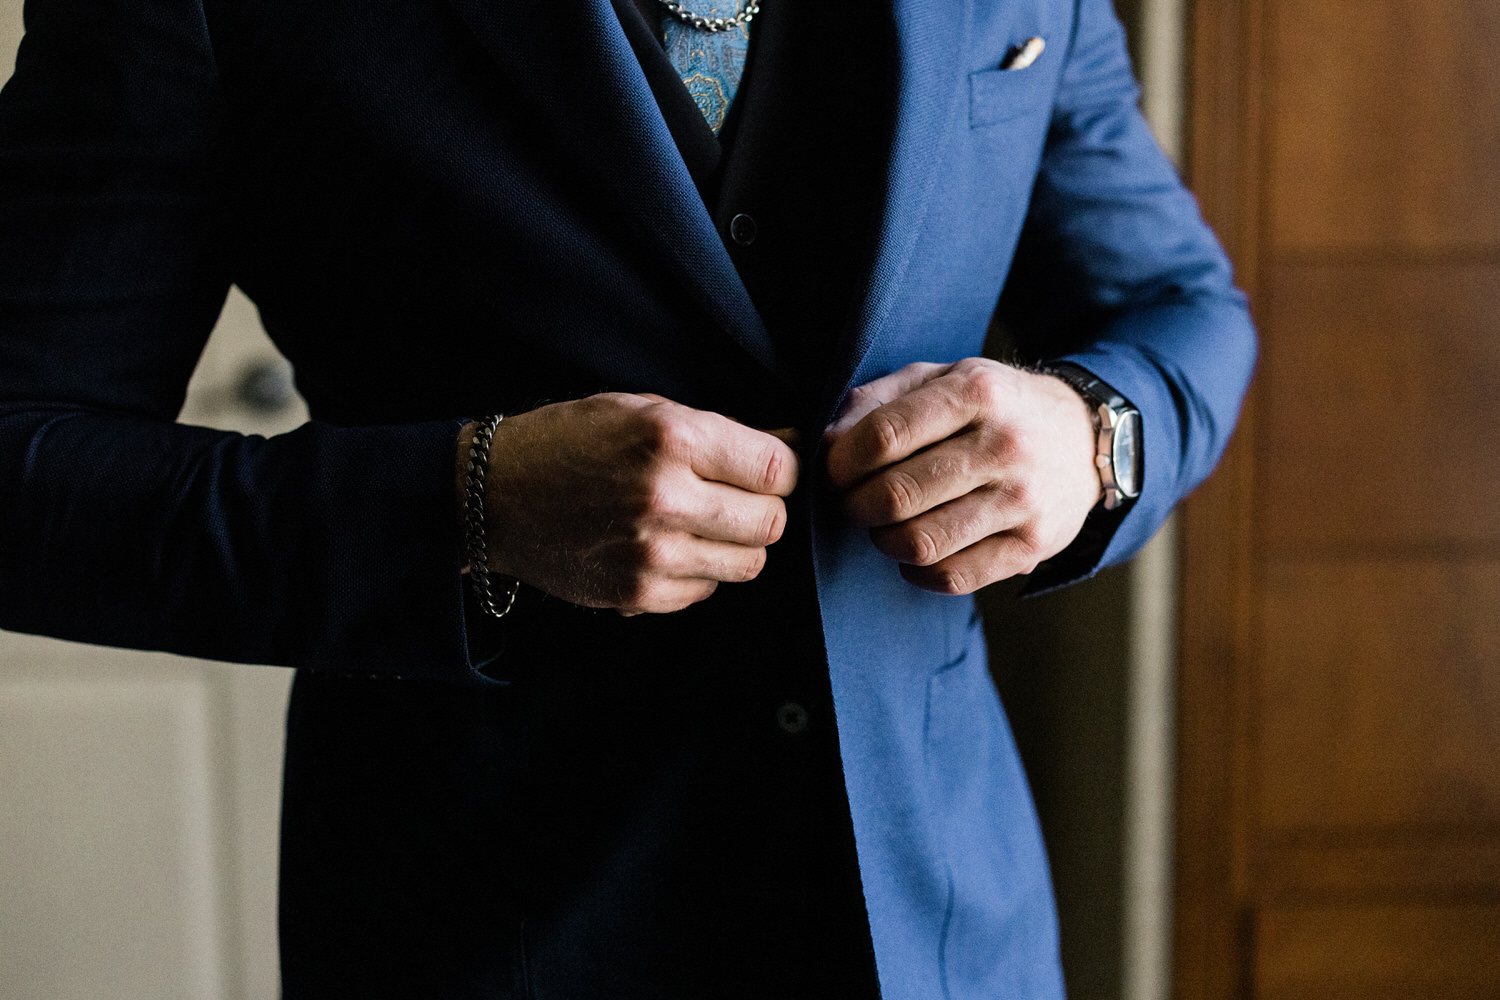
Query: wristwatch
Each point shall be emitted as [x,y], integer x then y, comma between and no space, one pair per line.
[1119,427]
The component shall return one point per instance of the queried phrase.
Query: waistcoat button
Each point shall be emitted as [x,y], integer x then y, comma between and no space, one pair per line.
[791,717]
[742,229]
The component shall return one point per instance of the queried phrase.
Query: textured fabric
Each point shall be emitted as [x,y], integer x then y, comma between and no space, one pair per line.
[710,63]
[701,150]
[453,207]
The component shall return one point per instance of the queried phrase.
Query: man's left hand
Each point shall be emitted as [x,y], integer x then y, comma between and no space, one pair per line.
[966,473]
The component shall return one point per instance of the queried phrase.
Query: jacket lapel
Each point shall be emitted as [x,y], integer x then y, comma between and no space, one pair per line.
[596,99]
[929,45]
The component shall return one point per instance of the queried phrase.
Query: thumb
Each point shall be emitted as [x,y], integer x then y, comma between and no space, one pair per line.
[865,399]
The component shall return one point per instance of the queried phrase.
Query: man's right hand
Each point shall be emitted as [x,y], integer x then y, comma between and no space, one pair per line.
[632,502]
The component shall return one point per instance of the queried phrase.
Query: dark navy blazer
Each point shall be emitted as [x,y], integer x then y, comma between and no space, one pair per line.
[445,208]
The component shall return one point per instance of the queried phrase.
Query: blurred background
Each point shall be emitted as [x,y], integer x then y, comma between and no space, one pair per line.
[1266,754]
[140,793]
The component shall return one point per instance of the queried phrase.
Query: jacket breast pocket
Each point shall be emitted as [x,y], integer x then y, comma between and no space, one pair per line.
[999,95]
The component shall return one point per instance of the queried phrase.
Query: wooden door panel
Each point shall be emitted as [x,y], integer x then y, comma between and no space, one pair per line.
[1378,697]
[1380,383]
[1337,865]
[1378,953]
[1340,763]
[1384,124]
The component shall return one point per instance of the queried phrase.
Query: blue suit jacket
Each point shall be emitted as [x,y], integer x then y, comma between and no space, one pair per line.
[445,208]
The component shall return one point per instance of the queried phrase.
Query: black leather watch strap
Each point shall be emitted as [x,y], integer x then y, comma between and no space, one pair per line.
[1089,385]
[1117,443]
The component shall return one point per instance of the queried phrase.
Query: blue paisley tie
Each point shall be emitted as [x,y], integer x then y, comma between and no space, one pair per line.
[709,62]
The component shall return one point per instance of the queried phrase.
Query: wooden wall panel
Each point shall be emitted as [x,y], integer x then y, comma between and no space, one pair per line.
[1216,527]
[1379,696]
[1339,829]
[1378,953]
[1384,124]
[1380,385]
[1335,865]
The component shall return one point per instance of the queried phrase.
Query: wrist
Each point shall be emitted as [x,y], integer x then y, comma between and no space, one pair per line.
[1075,439]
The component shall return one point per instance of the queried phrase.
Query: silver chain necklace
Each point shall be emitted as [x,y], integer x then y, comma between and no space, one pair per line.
[692,20]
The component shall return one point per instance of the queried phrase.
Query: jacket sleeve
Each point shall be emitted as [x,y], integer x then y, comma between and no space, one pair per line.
[327,547]
[1117,272]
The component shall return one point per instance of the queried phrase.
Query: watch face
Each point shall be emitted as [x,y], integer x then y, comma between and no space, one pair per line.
[1127,453]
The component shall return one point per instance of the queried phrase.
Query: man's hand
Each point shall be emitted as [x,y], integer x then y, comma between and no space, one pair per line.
[632,502]
[966,473]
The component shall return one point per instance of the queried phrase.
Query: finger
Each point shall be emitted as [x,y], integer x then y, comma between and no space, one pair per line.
[862,399]
[724,513]
[670,570]
[667,596]
[945,530]
[731,453]
[675,556]
[997,557]
[935,410]
[934,476]
[721,562]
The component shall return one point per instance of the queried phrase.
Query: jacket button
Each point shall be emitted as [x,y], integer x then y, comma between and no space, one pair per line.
[791,717]
[742,229]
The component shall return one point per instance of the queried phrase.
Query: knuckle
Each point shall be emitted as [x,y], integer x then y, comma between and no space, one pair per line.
[654,598]
[651,504]
[635,595]
[1003,445]
[642,594]
[891,430]
[665,431]
[774,470]
[1027,549]
[902,495]
[983,388]
[663,500]
[1022,443]
[1020,493]
[924,546]
[955,580]
[773,523]
[753,564]
[650,424]
[649,555]
[1028,538]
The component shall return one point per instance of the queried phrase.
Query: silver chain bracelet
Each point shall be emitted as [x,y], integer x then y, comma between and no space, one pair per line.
[476,473]
[692,20]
